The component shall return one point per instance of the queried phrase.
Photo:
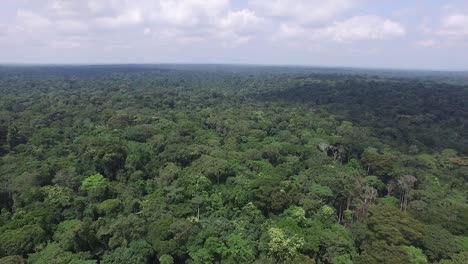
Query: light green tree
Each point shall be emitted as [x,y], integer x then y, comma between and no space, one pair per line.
[282,246]
[96,186]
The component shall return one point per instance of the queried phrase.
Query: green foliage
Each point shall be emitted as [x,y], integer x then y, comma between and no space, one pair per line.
[21,241]
[166,259]
[109,207]
[15,259]
[439,243]
[388,201]
[390,232]
[380,251]
[231,164]
[95,185]
[239,249]
[54,254]
[215,169]
[462,242]
[378,163]
[121,231]
[342,259]
[336,245]
[15,137]
[282,246]
[159,236]
[456,259]
[137,252]
[201,256]
[327,214]
[396,228]
[65,233]
[60,196]
[416,255]
[375,182]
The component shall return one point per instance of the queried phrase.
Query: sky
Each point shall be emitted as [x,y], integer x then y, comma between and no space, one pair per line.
[406,34]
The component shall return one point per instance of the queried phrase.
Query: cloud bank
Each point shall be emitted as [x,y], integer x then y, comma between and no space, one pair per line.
[348,26]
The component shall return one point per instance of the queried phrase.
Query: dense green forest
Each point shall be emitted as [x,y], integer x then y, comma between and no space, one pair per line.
[232,164]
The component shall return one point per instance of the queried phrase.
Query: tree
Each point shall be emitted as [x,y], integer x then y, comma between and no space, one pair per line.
[336,243]
[160,236]
[58,196]
[75,235]
[416,255]
[166,259]
[215,247]
[67,178]
[460,258]
[380,252]
[201,256]
[96,186]
[54,254]
[121,231]
[110,207]
[22,240]
[215,169]
[104,154]
[15,137]
[137,252]
[65,234]
[438,243]
[377,163]
[281,246]
[12,260]
[395,227]
[239,249]
[327,215]
[406,184]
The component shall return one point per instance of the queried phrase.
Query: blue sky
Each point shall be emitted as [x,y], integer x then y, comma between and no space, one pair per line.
[413,34]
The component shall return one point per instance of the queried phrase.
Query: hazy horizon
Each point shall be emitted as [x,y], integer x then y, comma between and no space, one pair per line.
[305,66]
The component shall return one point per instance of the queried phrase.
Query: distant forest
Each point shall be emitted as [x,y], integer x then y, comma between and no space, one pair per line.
[232,164]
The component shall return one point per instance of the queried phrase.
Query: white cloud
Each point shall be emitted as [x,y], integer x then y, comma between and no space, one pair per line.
[117,47]
[236,28]
[235,40]
[65,8]
[64,44]
[32,21]
[131,17]
[183,13]
[84,9]
[179,21]
[70,26]
[367,52]
[302,11]
[425,28]
[178,36]
[242,20]
[361,28]
[90,14]
[454,26]
[354,29]
[147,31]
[3,30]
[215,21]
[427,43]
[291,31]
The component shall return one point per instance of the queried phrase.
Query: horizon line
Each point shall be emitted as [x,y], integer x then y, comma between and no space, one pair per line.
[455,70]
